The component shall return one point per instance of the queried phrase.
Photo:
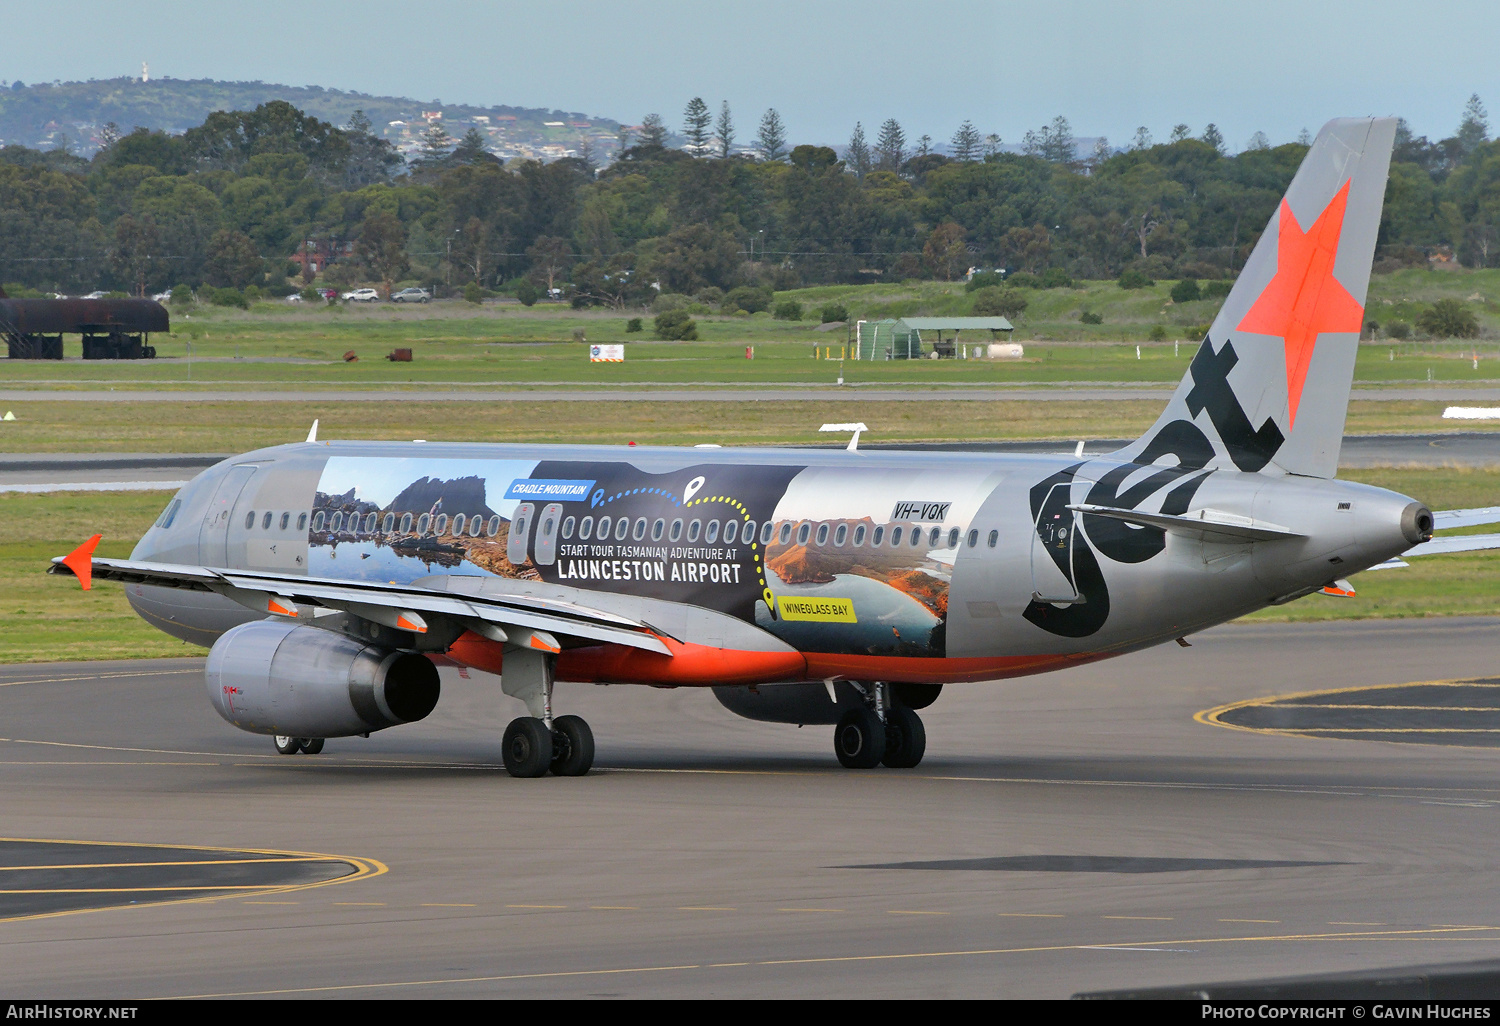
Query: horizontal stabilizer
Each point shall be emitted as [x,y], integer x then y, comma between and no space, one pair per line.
[1198,522]
[1447,519]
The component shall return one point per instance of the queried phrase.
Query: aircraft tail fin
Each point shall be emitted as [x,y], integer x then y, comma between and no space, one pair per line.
[1269,387]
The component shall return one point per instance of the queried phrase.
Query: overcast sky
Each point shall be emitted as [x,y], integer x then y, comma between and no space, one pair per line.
[1273,66]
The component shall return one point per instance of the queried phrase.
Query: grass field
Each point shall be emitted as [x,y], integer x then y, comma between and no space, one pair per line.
[505,345]
[51,426]
[48,617]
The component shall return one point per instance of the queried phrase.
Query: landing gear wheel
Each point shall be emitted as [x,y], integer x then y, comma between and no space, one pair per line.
[288,745]
[572,746]
[527,747]
[312,745]
[905,738]
[859,739]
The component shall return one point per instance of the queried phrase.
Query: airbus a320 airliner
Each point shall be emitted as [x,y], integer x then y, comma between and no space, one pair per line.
[810,587]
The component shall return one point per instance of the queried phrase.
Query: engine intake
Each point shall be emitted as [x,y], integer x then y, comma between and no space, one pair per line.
[272,677]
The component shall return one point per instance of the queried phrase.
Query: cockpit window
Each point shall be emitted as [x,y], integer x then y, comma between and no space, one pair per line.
[169,514]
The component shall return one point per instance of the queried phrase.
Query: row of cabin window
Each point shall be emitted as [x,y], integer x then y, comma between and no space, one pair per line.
[460,524]
[267,518]
[745,530]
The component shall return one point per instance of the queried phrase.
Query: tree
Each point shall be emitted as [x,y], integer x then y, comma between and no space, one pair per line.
[1258,141]
[1304,138]
[695,256]
[381,247]
[997,301]
[371,159]
[945,253]
[1054,142]
[109,135]
[724,129]
[695,121]
[1027,249]
[965,143]
[771,140]
[1214,137]
[1448,318]
[436,142]
[991,145]
[137,246]
[471,249]
[232,260]
[653,131]
[676,326]
[622,138]
[1180,132]
[1142,140]
[550,256]
[470,149]
[1474,127]
[890,147]
[857,156]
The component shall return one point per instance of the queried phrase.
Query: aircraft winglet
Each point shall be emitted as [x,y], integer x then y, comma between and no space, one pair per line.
[81,561]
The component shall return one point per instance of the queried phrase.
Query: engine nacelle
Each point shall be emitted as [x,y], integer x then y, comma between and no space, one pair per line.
[272,677]
[810,703]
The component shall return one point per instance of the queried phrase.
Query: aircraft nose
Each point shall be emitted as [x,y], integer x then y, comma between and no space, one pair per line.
[1416,523]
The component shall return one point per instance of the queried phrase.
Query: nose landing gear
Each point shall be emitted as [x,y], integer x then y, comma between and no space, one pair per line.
[883,731]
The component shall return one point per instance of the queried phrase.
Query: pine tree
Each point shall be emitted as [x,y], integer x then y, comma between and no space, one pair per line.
[991,145]
[724,129]
[623,138]
[653,131]
[470,149]
[1214,137]
[1142,140]
[858,154]
[924,145]
[890,147]
[966,143]
[1304,138]
[771,141]
[1475,126]
[359,124]
[695,121]
[1181,132]
[436,142]
[1259,141]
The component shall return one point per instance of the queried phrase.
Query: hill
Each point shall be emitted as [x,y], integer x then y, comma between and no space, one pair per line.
[73,115]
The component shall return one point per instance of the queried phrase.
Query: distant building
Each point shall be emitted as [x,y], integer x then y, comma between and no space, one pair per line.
[316,254]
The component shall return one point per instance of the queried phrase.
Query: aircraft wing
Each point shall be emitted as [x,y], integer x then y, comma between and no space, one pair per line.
[1447,519]
[519,619]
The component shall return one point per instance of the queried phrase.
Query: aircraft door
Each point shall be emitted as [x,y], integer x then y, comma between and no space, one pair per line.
[515,539]
[213,536]
[1052,548]
[546,534]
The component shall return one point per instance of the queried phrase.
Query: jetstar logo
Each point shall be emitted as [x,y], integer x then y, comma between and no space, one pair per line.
[1304,299]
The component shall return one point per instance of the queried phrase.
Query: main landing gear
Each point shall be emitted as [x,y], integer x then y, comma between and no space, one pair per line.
[882,731]
[292,745]
[537,744]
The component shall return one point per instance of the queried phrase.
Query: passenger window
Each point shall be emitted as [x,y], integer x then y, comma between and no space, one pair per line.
[878,536]
[370,524]
[803,533]
[493,527]
[441,527]
[859,535]
[765,533]
[475,526]
[895,536]
[265,521]
[749,532]
[712,534]
[301,521]
[822,534]
[973,538]
[286,519]
[548,524]
[459,523]
[933,536]
[423,522]
[568,525]
[640,529]
[250,520]
[337,524]
[387,526]
[604,525]
[406,523]
[953,538]
[916,536]
[658,529]
[622,528]
[841,535]
[318,521]
[676,530]
[994,537]
[586,529]
[695,529]
[731,530]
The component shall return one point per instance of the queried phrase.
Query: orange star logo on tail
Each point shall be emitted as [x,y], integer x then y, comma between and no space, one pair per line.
[1304,299]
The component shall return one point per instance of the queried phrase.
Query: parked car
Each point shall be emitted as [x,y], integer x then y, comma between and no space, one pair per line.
[361,296]
[411,296]
[295,297]
[330,294]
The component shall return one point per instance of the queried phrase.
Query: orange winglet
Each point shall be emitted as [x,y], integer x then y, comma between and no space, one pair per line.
[81,561]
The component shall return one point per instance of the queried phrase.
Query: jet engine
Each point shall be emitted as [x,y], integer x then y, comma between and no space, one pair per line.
[811,703]
[271,677]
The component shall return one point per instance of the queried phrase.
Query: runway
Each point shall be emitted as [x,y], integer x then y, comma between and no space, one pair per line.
[1079,831]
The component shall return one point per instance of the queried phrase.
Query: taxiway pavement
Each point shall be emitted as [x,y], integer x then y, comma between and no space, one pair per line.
[1077,831]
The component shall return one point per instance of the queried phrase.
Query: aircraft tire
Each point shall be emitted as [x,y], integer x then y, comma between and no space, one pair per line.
[527,747]
[572,746]
[288,745]
[859,739]
[905,738]
[312,745]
